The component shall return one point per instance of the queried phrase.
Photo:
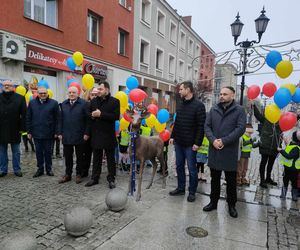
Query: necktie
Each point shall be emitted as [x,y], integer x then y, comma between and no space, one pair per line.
[71,102]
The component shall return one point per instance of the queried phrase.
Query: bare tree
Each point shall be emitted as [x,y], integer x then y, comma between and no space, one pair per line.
[203,89]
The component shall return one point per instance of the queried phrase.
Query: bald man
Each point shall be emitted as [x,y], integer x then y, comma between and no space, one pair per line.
[72,132]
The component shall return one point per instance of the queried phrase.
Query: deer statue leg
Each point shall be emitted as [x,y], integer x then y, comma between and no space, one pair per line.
[129,181]
[138,194]
[163,166]
[154,164]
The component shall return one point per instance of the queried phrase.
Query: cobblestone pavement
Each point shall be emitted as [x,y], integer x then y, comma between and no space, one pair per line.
[38,205]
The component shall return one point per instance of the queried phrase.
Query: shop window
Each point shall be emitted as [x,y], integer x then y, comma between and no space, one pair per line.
[122,42]
[43,11]
[93,27]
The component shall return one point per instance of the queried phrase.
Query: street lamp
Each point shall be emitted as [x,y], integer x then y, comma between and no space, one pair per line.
[261,24]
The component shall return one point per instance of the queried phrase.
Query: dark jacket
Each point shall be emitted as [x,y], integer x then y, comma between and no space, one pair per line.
[42,118]
[228,125]
[102,129]
[189,123]
[12,117]
[73,122]
[269,135]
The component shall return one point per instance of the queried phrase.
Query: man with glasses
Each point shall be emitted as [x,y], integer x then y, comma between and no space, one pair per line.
[42,126]
[12,122]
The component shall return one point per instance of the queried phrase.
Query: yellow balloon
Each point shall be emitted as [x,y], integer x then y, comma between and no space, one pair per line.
[291,87]
[88,81]
[27,96]
[124,124]
[284,69]
[123,98]
[21,90]
[78,58]
[160,127]
[50,93]
[151,121]
[122,110]
[272,113]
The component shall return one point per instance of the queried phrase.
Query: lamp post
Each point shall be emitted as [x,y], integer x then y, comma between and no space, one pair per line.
[236,28]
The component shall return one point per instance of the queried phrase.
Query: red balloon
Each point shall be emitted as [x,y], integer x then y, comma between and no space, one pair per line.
[70,77]
[165,135]
[77,85]
[269,89]
[253,92]
[127,117]
[287,121]
[137,95]
[152,108]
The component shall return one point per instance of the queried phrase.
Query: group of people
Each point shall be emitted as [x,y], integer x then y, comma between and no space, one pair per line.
[84,126]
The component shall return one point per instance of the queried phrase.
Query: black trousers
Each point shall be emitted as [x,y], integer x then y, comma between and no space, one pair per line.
[69,151]
[290,175]
[87,158]
[56,144]
[97,163]
[200,166]
[216,186]
[270,159]
[25,141]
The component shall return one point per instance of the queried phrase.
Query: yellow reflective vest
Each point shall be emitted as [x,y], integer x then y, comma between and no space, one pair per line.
[204,146]
[247,148]
[125,138]
[289,162]
[146,131]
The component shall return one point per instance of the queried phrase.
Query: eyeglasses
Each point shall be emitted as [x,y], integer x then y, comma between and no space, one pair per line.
[93,94]
[42,93]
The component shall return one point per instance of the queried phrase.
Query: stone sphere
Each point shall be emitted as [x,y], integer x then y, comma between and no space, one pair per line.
[78,221]
[116,199]
[20,240]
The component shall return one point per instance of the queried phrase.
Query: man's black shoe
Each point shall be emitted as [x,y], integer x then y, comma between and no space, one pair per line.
[191,198]
[111,184]
[263,185]
[177,192]
[37,174]
[50,173]
[91,183]
[271,182]
[210,207]
[3,174]
[19,174]
[232,212]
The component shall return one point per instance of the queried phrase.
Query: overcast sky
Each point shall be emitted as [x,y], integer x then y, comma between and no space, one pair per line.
[211,19]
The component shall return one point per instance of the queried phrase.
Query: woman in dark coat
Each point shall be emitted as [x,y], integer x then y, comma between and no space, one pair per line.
[270,140]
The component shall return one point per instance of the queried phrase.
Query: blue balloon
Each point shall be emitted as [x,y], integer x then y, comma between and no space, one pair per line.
[70,81]
[163,116]
[273,58]
[71,64]
[130,105]
[117,125]
[282,97]
[143,122]
[43,84]
[296,96]
[132,83]
[174,117]
[127,91]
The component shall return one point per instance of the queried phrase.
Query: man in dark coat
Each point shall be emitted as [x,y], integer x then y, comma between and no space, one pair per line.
[72,132]
[225,124]
[270,141]
[187,135]
[42,126]
[104,110]
[12,122]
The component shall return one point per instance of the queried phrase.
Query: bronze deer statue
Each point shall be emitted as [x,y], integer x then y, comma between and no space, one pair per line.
[147,148]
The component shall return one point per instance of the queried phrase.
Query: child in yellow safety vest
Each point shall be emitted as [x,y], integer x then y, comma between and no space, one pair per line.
[247,144]
[201,157]
[124,140]
[291,162]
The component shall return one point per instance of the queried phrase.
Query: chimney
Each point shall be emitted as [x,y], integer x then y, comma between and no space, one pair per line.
[187,20]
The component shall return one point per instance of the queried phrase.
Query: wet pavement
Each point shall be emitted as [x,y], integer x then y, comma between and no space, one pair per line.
[158,221]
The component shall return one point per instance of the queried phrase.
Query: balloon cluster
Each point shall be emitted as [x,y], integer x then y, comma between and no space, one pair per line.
[283,68]
[282,97]
[132,95]
[75,60]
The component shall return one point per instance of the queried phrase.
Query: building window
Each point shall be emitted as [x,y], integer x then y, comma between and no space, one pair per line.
[182,40]
[144,52]
[93,24]
[171,64]
[191,48]
[173,35]
[196,74]
[161,22]
[189,72]
[197,52]
[181,69]
[123,2]
[43,11]
[146,11]
[159,59]
[217,85]
[122,38]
